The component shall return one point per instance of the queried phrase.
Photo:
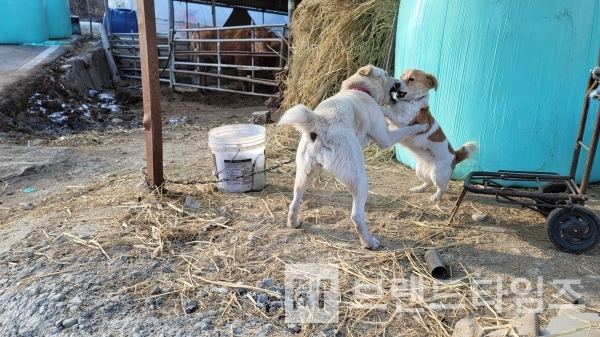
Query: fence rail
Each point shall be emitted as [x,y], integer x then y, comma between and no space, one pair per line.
[181,65]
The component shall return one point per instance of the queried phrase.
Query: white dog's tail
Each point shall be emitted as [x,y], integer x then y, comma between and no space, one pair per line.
[301,117]
[465,151]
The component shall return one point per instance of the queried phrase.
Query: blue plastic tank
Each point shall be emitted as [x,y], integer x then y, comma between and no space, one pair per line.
[122,20]
[512,76]
[58,14]
[23,21]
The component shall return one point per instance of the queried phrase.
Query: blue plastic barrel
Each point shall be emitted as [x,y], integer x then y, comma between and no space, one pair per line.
[23,21]
[512,77]
[122,20]
[58,14]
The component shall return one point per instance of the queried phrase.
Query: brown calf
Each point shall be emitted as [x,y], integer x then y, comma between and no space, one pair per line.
[243,33]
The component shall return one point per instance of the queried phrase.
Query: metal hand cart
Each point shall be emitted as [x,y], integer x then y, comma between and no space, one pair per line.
[570,226]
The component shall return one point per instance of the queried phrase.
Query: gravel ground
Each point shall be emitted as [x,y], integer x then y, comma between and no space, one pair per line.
[84,299]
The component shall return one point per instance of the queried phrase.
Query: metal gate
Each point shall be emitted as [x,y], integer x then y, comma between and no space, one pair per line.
[182,66]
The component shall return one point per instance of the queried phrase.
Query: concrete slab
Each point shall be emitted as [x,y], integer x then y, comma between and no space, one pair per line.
[579,325]
[17,60]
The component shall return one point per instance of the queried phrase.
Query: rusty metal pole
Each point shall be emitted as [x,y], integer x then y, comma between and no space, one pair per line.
[150,91]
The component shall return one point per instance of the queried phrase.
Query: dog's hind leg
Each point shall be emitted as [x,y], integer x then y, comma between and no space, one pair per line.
[352,173]
[359,191]
[423,174]
[440,181]
[305,172]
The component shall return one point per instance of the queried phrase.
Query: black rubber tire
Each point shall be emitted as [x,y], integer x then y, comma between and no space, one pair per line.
[573,230]
[552,188]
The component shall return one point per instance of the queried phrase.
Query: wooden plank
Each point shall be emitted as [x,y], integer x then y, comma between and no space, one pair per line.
[150,92]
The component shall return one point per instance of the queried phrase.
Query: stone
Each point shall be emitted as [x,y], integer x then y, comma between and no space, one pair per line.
[293,328]
[191,203]
[527,325]
[58,297]
[267,282]
[570,309]
[580,325]
[467,328]
[156,290]
[190,306]
[261,117]
[69,322]
[87,71]
[479,216]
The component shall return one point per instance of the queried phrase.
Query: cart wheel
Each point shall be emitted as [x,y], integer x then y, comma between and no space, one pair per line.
[573,230]
[551,188]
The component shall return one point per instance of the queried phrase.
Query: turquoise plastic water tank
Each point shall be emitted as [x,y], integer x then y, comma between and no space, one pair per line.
[23,21]
[512,77]
[59,19]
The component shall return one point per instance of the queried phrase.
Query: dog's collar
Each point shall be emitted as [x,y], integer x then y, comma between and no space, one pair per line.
[361,89]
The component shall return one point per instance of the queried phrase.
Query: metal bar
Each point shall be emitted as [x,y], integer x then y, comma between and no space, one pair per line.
[214,14]
[582,122]
[531,205]
[583,145]
[252,80]
[251,58]
[231,27]
[90,17]
[139,78]
[137,57]
[225,90]
[587,171]
[225,65]
[150,92]
[488,178]
[114,72]
[135,46]
[107,15]
[463,192]
[265,39]
[171,37]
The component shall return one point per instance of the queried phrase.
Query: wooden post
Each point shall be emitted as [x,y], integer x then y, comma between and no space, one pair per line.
[150,91]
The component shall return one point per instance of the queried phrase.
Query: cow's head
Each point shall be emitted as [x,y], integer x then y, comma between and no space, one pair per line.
[260,33]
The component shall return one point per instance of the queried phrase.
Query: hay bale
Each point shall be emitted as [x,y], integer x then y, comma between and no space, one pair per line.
[331,39]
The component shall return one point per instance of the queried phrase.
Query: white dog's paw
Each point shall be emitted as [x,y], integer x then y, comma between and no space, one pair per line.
[421,127]
[293,223]
[370,243]
[436,197]
[418,189]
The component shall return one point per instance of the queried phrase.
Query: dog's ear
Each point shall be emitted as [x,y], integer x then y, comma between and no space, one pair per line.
[433,82]
[366,70]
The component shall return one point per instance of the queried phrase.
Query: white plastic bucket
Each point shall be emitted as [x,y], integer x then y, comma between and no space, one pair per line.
[239,149]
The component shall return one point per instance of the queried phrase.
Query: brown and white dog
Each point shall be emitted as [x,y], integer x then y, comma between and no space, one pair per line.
[435,157]
[334,134]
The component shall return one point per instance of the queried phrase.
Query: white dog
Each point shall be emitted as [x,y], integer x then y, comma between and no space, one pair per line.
[435,157]
[334,135]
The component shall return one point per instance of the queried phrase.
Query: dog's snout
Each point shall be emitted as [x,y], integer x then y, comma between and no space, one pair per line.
[397,85]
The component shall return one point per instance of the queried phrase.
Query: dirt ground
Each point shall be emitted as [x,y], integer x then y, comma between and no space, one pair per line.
[87,249]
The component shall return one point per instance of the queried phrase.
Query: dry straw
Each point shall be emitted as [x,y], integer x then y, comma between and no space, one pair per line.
[330,41]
